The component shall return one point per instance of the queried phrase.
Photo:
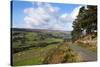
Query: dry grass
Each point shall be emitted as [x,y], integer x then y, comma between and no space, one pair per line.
[62,54]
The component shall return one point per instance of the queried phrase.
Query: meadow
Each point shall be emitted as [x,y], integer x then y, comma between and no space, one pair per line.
[34,48]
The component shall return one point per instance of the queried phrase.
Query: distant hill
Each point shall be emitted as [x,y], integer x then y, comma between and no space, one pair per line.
[57,33]
[38,30]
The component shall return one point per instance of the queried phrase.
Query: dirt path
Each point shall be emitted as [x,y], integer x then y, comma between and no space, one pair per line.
[85,54]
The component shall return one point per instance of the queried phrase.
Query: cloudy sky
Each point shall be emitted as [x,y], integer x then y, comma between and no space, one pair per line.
[43,15]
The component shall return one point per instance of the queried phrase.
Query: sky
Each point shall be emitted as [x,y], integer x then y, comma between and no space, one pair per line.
[44,15]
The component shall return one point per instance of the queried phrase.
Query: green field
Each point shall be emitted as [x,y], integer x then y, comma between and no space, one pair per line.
[33,48]
[32,56]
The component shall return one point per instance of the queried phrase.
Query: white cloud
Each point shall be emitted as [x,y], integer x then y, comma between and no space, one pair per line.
[71,16]
[75,12]
[28,10]
[40,15]
[50,8]
[67,18]
[46,16]
[64,15]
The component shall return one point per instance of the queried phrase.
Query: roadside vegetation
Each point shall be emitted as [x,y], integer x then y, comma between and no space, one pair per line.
[88,42]
[62,54]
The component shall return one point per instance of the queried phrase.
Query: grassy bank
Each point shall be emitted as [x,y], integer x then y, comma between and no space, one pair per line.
[62,54]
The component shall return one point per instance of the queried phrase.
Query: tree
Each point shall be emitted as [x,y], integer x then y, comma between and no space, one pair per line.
[86,20]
